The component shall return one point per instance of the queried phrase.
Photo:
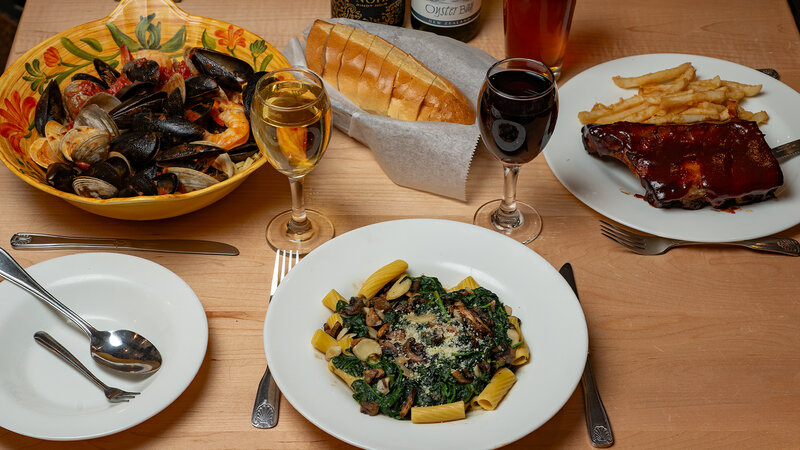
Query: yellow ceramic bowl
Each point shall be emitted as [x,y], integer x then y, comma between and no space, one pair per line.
[153,24]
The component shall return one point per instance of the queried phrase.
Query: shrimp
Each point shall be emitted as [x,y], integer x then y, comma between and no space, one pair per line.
[230,114]
[162,59]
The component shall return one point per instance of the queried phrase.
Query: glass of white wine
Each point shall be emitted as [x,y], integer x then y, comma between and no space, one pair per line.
[291,119]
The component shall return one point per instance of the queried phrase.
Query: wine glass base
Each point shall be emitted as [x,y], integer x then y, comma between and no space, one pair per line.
[280,238]
[526,228]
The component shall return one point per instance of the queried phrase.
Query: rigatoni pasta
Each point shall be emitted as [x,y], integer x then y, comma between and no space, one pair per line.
[409,348]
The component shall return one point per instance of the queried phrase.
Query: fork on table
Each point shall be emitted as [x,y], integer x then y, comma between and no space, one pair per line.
[265,409]
[655,245]
[114,395]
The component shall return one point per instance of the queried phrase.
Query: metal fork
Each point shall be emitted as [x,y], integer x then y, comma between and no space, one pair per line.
[265,409]
[114,395]
[655,245]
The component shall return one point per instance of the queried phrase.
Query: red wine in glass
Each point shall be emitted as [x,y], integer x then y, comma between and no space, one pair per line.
[517,109]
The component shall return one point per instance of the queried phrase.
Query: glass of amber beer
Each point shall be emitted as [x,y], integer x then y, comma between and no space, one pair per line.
[538,30]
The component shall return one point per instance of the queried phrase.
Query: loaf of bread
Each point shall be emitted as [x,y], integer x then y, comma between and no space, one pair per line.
[381,78]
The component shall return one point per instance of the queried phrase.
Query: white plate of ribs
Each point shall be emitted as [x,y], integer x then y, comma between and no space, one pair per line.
[744,192]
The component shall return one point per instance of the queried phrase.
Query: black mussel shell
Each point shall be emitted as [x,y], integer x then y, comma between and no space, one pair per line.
[174,130]
[199,88]
[139,147]
[107,172]
[143,185]
[60,176]
[150,171]
[187,150]
[50,107]
[250,90]
[142,69]
[150,103]
[174,104]
[166,183]
[107,73]
[92,78]
[135,89]
[228,71]
[198,112]
[243,151]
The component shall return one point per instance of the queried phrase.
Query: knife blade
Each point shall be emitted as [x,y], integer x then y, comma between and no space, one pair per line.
[596,418]
[50,241]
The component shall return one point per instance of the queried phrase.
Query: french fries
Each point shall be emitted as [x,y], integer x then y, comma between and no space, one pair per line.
[675,95]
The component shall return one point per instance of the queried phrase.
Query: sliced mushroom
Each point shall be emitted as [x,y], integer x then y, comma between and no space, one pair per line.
[334,330]
[366,347]
[382,385]
[414,350]
[354,307]
[399,288]
[333,352]
[463,376]
[409,402]
[371,375]
[370,408]
[383,330]
[380,304]
[396,335]
[372,318]
[503,354]
[388,349]
[475,322]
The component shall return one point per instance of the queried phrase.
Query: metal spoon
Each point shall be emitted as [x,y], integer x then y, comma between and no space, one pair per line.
[122,350]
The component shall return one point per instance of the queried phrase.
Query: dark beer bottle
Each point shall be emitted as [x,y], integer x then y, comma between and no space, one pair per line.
[389,12]
[458,19]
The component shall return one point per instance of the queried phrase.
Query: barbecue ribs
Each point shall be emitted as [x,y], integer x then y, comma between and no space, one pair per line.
[691,166]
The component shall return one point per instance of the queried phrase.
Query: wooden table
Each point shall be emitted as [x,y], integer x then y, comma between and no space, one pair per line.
[697,348]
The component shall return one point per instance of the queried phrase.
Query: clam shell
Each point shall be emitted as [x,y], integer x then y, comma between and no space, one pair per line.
[104,100]
[191,179]
[93,187]
[95,116]
[43,153]
[85,144]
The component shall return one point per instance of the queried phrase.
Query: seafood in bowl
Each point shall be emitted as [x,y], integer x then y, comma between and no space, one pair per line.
[115,120]
[155,127]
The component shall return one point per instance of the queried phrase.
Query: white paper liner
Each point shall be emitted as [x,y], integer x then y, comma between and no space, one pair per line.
[429,156]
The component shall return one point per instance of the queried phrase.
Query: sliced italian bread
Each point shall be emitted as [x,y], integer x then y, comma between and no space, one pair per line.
[381,78]
[354,59]
[334,48]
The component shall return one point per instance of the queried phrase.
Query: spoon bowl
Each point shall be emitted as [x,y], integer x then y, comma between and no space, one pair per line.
[121,350]
[124,351]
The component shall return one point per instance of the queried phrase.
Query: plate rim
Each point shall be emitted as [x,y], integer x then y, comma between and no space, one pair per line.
[739,228]
[191,306]
[307,411]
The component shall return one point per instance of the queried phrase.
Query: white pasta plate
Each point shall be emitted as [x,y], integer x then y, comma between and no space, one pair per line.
[44,397]
[608,187]
[552,323]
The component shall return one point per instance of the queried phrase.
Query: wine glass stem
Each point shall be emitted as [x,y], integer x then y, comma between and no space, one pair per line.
[507,215]
[299,224]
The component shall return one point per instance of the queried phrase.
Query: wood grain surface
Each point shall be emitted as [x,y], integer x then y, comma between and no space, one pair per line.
[698,348]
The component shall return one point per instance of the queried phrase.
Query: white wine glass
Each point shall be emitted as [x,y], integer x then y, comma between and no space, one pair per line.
[291,119]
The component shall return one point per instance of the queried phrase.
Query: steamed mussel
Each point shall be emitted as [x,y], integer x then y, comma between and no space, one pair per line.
[153,127]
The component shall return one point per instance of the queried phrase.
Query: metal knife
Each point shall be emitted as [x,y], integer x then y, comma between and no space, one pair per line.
[786,150]
[50,241]
[596,418]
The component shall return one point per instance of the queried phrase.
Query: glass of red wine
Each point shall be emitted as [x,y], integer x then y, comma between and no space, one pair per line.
[517,110]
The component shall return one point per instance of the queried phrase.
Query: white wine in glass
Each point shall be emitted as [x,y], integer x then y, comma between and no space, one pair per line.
[291,120]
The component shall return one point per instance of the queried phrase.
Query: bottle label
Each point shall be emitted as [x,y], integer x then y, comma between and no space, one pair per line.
[446,13]
[380,11]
